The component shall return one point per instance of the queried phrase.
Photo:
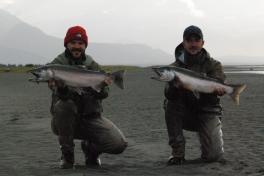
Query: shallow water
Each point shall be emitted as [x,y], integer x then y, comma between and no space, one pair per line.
[251,72]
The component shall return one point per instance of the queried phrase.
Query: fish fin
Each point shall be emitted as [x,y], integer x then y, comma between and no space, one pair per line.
[160,79]
[79,90]
[197,94]
[236,92]
[98,87]
[118,77]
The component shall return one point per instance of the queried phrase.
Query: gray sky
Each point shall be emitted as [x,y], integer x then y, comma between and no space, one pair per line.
[230,27]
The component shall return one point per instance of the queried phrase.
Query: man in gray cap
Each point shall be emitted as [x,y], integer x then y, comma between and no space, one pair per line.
[184,111]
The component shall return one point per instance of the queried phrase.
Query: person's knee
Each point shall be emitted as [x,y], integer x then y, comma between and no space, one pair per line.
[53,127]
[65,107]
[65,104]
[63,118]
[120,148]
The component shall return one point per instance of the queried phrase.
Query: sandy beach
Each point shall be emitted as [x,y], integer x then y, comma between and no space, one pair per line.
[28,146]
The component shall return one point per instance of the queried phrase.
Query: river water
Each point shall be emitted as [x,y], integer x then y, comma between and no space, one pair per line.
[251,72]
[252,69]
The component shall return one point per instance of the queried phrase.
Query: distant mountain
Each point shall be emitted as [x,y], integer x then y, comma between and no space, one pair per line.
[7,21]
[15,56]
[128,54]
[22,43]
[124,41]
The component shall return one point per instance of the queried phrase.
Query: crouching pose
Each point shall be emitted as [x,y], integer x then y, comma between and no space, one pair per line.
[184,111]
[76,116]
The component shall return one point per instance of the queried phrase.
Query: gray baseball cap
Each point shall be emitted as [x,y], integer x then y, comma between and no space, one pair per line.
[192,30]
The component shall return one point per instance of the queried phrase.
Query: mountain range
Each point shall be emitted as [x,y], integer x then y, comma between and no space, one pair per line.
[21,43]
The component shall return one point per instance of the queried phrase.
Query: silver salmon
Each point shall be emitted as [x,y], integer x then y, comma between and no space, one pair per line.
[76,77]
[195,82]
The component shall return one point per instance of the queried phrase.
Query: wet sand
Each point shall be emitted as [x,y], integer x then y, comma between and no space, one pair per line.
[28,146]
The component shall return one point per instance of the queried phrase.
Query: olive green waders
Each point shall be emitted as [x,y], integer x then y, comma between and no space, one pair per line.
[206,123]
[99,135]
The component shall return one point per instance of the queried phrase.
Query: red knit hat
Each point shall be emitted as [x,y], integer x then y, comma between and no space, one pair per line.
[76,33]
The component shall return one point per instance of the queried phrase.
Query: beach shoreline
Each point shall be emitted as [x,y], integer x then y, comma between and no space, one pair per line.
[28,146]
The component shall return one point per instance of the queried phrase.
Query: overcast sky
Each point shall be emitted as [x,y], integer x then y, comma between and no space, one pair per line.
[230,27]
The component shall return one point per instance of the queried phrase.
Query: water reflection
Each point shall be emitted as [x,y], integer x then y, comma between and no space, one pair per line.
[251,72]
[252,69]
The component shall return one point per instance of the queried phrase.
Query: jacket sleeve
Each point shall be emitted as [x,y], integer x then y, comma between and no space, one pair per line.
[171,93]
[104,93]
[64,93]
[56,61]
[217,71]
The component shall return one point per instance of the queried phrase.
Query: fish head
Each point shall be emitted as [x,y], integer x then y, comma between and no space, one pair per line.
[42,74]
[165,74]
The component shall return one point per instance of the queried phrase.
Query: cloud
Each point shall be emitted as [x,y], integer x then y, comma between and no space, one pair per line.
[229,17]
[161,2]
[195,12]
[5,2]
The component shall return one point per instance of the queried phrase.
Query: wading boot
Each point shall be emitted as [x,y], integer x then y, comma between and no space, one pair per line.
[90,158]
[67,160]
[177,158]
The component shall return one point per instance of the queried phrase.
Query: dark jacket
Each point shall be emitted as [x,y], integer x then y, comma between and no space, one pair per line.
[203,64]
[90,101]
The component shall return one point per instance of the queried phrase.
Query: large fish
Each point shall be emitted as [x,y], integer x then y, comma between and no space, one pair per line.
[195,82]
[76,77]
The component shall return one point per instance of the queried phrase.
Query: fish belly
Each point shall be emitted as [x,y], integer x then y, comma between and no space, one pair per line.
[78,80]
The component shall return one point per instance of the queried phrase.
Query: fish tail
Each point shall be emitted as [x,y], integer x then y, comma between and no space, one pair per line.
[237,90]
[117,77]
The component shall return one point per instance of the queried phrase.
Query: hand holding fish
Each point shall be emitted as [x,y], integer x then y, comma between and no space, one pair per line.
[53,83]
[220,91]
[175,83]
[107,81]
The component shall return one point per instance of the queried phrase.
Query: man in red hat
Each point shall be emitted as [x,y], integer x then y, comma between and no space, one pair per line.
[77,116]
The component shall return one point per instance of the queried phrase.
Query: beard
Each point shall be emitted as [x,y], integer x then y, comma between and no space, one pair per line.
[69,53]
[193,48]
